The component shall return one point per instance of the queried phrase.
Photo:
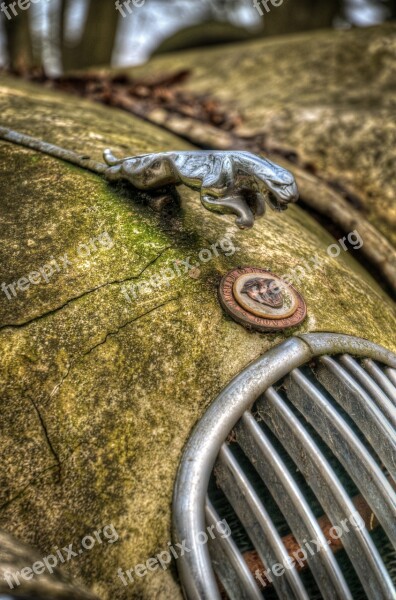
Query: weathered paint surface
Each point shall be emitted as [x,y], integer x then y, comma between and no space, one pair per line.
[98,395]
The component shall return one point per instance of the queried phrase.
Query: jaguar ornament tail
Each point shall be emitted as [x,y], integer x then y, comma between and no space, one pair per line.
[231,181]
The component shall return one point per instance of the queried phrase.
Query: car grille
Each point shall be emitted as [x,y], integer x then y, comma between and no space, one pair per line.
[302,440]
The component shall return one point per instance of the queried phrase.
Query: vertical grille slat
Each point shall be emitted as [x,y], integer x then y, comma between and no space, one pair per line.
[361,408]
[329,490]
[347,447]
[229,564]
[293,505]
[257,523]
[391,374]
[388,386]
[377,394]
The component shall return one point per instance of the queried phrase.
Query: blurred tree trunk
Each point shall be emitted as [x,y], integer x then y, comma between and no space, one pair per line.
[63,47]
[97,41]
[391,5]
[19,41]
[299,15]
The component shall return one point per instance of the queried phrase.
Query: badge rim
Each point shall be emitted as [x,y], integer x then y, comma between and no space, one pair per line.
[248,319]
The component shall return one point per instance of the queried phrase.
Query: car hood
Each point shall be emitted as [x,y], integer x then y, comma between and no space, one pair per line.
[101,391]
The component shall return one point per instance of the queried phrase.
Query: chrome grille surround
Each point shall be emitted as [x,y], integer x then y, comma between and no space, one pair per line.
[361,388]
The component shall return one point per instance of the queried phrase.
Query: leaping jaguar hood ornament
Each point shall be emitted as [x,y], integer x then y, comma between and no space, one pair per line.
[229,181]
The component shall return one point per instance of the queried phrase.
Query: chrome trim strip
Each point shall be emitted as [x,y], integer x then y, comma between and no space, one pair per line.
[293,505]
[329,490]
[338,343]
[201,450]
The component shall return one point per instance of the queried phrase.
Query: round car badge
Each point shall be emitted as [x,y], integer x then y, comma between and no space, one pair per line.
[260,300]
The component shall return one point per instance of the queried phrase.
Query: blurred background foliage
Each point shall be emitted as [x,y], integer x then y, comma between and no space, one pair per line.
[57,36]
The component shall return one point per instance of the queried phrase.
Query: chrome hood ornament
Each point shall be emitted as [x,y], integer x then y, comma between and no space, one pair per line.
[234,182]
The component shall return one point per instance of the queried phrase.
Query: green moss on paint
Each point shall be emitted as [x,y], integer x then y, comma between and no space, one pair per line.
[99,393]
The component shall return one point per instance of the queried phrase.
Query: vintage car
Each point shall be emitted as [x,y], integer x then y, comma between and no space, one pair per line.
[159,437]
